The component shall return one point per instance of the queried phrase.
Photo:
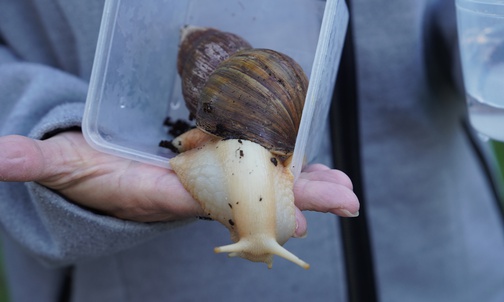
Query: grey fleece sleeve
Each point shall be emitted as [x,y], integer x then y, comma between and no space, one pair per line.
[37,100]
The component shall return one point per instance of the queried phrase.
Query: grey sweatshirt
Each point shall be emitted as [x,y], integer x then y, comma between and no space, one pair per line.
[436,235]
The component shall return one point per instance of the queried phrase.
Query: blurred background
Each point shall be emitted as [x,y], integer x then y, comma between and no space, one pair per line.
[3,287]
[495,154]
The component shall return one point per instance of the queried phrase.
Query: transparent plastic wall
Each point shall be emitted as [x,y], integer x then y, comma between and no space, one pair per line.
[134,84]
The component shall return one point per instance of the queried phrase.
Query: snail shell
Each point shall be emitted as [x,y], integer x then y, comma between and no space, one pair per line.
[248,109]
[256,95]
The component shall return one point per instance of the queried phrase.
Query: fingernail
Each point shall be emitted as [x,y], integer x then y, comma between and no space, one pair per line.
[348,214]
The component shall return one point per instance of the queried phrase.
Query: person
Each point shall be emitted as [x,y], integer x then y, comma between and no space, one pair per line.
[80,225]
[436,234]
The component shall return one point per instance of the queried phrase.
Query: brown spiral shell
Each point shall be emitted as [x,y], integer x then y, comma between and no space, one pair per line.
[257,95]
[251,94]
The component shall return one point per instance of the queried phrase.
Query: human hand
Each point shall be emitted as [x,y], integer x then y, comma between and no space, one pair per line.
[140,192]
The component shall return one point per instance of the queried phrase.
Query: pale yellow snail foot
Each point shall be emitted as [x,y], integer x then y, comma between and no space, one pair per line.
[246,188]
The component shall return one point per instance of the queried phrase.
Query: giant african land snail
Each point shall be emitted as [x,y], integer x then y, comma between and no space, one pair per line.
[247,103]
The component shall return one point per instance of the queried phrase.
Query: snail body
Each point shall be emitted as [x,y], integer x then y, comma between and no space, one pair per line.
[242,185]
[235,162]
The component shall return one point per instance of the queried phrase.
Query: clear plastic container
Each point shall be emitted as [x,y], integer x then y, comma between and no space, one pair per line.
[134,85]
[481,44]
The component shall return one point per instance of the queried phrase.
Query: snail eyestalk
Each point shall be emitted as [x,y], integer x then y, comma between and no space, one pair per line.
[269,245]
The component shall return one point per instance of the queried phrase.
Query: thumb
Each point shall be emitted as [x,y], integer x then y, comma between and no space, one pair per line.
[21,159]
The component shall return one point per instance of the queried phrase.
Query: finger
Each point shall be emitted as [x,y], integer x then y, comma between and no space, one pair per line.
[26,159]
[323,196]
[164,192]
[315,167]
[301,225]
[21,158]
[322,173]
